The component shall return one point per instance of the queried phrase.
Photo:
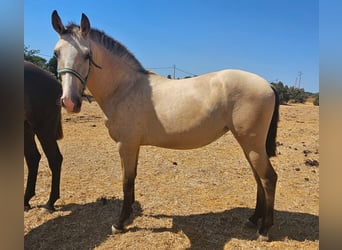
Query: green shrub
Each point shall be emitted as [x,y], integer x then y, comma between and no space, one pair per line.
[316,101]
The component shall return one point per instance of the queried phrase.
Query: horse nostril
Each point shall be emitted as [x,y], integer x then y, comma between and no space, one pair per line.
[77,107]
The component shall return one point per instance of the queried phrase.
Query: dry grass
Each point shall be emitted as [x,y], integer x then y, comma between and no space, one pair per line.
[195,199]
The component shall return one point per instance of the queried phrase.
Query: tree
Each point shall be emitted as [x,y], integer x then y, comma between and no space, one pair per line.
[291,94]
[52,66]
[316,101]
[283,92]
[297,95]
[31,55]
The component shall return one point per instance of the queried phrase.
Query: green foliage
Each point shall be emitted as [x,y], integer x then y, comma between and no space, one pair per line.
[31,55]
[290,94]
[316,101]
[297,95]
[283,92]
[52,66]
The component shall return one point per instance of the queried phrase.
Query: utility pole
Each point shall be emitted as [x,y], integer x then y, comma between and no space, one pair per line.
[300,73]
[174,71]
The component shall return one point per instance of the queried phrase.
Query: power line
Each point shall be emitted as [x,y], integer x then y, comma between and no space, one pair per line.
[160,67]
[298,79]
[50,56]
[47,57]
[185,72]
[174,71]
[300,73]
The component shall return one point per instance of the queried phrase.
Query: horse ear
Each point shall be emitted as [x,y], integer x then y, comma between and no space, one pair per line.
[57,23]
[85,25]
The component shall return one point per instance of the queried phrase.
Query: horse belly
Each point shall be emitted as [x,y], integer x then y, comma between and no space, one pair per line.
[194,137]
[192,118]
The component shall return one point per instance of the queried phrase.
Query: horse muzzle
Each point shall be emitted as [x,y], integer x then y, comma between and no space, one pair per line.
[71,106]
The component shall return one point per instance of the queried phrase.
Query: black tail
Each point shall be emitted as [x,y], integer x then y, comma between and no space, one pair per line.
[272,130]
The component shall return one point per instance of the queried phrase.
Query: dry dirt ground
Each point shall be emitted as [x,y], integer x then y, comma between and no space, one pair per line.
[194,199]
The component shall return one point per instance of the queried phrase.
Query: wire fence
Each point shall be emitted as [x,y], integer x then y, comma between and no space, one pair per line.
[168,71]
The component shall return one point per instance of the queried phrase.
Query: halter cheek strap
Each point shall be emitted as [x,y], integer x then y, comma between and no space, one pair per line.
[78,75]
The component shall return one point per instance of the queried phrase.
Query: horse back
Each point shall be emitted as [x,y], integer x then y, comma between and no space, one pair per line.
[41,101]
[193,112]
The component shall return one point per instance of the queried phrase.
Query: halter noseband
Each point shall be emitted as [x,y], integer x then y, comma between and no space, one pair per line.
[75,73]
[78,75]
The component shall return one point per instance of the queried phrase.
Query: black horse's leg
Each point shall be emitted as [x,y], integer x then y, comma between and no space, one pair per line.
[55,158]
[129,161]
[32,158]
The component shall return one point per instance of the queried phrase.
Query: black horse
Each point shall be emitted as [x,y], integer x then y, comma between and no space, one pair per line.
[42,117]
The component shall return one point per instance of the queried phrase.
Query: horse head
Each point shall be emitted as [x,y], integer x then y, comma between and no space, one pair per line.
[74,58]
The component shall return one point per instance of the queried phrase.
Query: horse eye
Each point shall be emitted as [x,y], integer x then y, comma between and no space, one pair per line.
[55,53]
[87,56]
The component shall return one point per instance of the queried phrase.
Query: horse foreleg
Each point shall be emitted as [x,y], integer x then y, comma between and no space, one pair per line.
[55,158]
[32,158]
[129,161]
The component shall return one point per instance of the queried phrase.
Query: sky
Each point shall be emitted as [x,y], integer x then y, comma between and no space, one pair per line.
[278,40]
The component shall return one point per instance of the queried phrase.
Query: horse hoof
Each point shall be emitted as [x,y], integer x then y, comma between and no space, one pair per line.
[47,208]
[116,230]
[260,237]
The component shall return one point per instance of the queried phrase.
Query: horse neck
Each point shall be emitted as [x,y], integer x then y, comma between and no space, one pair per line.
[114,79]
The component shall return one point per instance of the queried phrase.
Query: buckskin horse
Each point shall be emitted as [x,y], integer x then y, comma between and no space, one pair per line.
[42,118]
[143,108]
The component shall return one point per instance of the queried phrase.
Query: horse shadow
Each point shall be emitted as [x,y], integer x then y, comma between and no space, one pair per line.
[214,230]
[89,224]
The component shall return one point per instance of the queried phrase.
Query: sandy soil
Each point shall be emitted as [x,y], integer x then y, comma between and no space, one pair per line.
[194,199]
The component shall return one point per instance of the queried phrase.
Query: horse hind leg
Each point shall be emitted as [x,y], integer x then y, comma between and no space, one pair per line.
[266,179]
[32,158]
[260,204]
[55,158]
